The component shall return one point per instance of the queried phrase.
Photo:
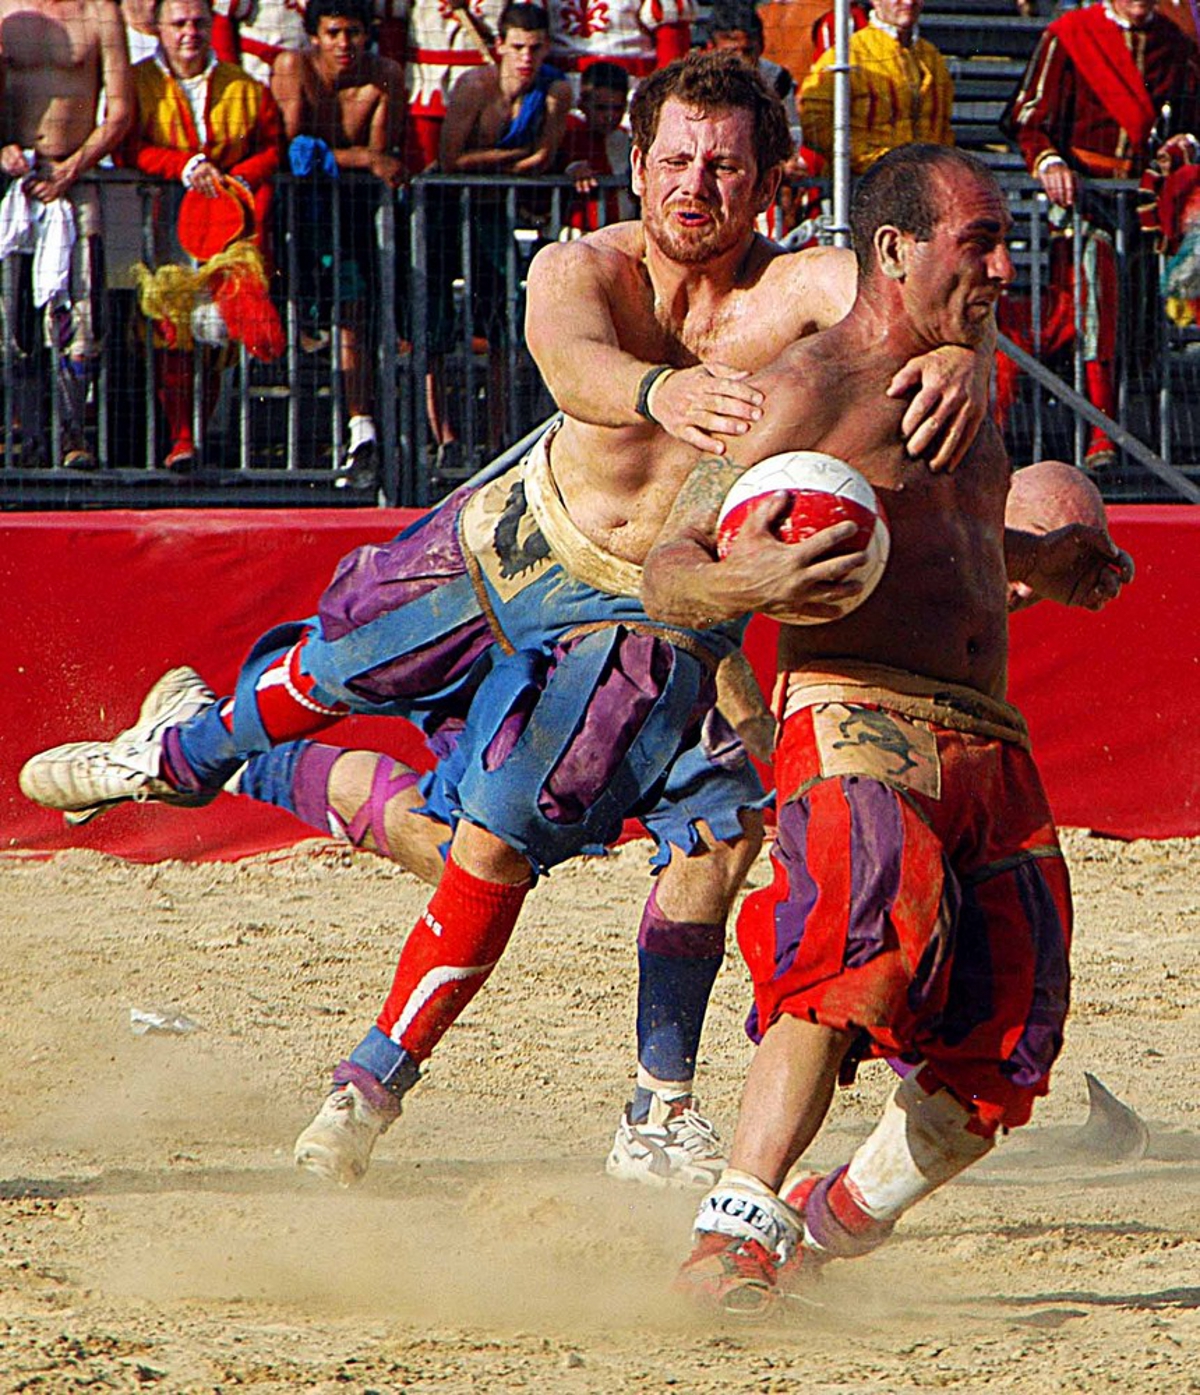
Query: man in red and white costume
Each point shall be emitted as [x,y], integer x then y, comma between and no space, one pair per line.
[445,38]
[640,35]
[1104,89]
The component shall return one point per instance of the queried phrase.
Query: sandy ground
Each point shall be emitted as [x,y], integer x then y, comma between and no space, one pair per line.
[156,1236]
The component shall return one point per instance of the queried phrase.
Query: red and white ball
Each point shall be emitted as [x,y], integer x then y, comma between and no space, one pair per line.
[824,491]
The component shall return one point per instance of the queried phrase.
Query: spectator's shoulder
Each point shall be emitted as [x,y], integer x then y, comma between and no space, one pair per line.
[384,72]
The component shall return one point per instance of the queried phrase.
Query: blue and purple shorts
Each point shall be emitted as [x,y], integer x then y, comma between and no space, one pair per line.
[583,711]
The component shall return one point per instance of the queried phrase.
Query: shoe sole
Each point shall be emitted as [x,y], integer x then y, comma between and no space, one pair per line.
[166,704]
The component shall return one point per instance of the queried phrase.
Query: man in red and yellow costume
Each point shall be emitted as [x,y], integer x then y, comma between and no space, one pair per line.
[1107,88]
[198,121]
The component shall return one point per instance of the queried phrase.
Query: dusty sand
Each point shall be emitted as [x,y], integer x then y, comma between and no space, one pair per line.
[156,1236]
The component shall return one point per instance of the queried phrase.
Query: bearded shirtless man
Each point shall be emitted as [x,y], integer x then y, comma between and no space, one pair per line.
[59,55]
[507,623]
[920,907]
[340,94]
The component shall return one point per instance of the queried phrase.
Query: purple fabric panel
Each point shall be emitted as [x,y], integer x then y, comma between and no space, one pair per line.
[382,576]
[310,784]
[610,718]
[876,856]
[791,915]
[638,672]
[970,996]
[678,939]
[943,941]
[1042,1038]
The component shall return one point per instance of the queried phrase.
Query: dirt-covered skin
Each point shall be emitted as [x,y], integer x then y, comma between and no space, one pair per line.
[155,1235]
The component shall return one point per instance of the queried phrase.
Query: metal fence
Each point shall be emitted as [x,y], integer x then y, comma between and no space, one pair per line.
[426,287]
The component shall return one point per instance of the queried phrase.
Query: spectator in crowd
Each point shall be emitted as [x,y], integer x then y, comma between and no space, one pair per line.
[735,26]
[900,89]
[197,121]
[824,29]
[445,38]
[640,35]
[141,32]
[502,119]
[58,58]
[509,118]
[597,144]
[343,109]
[1106,88]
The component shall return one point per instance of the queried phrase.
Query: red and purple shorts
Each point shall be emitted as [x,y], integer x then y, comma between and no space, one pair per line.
[920,898]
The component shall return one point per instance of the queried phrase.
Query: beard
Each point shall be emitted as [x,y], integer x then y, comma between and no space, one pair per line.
[692,246]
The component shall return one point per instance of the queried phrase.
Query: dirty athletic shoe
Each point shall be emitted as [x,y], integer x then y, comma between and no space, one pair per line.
[674,1147]
[83,778]
[337,1145]
[732,1274]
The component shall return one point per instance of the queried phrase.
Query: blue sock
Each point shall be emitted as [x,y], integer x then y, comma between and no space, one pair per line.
[678,963]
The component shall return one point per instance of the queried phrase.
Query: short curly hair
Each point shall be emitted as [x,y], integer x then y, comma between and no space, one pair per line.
[317,10]
[713,82]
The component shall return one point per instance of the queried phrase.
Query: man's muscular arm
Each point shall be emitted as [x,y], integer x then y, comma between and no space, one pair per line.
[683,582]
[570,327]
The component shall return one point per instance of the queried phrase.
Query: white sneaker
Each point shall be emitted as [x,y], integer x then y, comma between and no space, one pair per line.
[83,778]
[337,1145]
[675,1147]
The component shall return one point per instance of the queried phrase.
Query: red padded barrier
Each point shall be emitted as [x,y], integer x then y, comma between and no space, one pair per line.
[99,604]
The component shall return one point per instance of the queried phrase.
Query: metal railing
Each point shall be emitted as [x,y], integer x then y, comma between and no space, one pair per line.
[439,302]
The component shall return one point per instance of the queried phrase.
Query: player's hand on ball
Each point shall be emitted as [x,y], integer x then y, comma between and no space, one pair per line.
[701,405]
[798,582]
[1079,565]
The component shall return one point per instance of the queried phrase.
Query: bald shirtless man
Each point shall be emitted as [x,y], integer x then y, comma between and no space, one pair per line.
[1046,496]
[339,93]
[59,55]
[501,611]
[920,906]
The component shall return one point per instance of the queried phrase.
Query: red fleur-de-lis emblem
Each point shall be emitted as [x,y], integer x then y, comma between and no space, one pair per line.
[584,17]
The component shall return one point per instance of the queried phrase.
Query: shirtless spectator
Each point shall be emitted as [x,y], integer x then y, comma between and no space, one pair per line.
[343,110]
[920,906]
[59,56]
[198,121]
[506,119]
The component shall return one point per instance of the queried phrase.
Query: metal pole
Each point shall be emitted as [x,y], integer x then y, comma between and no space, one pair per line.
[841,124]
[385,385]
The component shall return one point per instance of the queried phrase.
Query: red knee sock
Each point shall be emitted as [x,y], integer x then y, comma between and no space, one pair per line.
[447,958]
